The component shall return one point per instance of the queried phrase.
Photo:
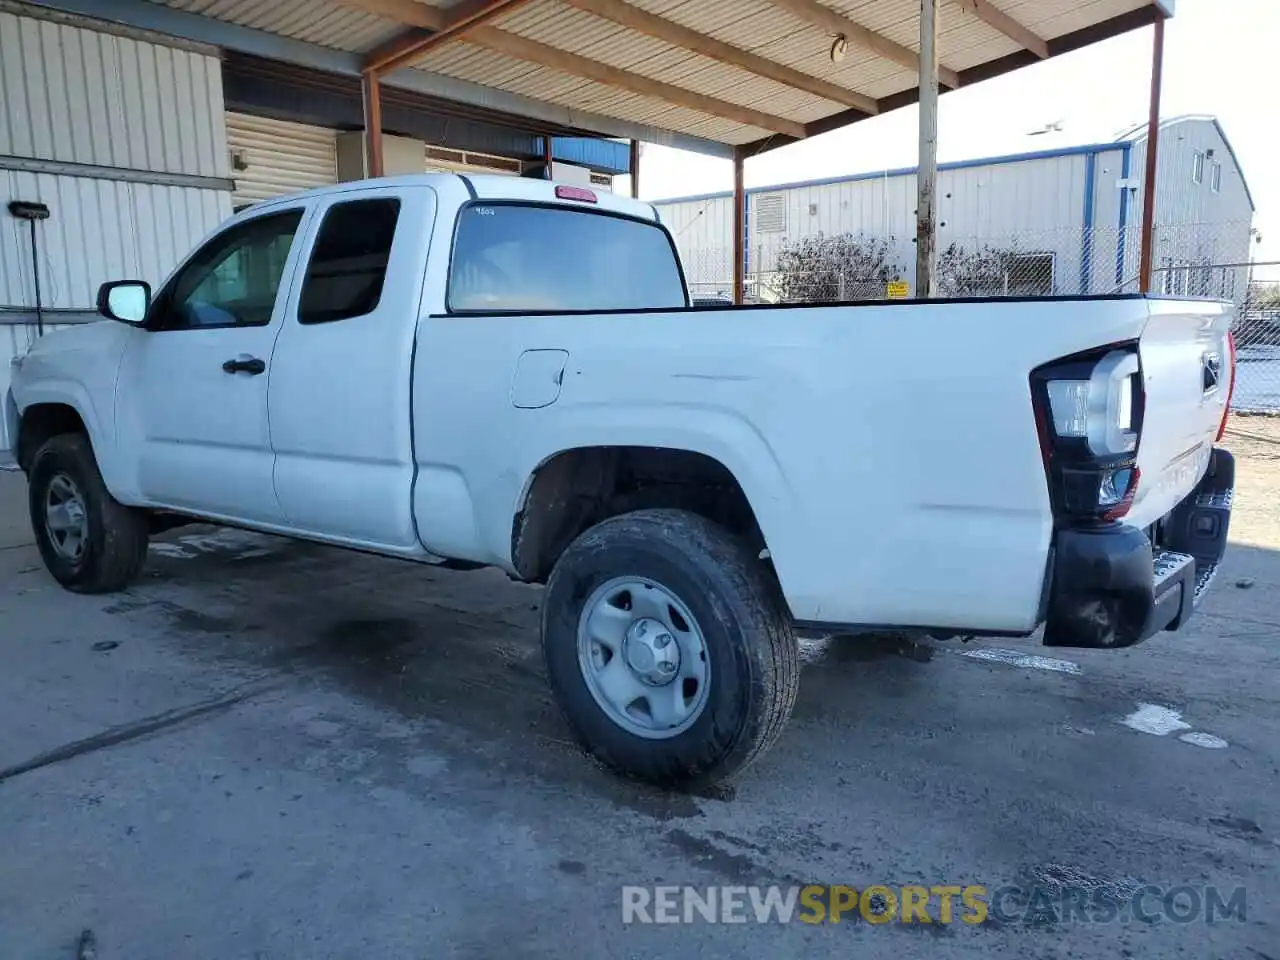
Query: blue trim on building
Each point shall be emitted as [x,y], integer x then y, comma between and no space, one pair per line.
[1092,148]
[605,156]
[1086,241]
[1126,151]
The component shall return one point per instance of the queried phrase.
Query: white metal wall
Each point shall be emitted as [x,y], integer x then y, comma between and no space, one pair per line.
[1193,223]
[1040,202]
[280,157]
[78,95]
[130,117]
[74,95]
[100,230]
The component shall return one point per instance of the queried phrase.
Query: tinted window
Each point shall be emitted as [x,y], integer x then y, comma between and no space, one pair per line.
[349,262]
[514,257]
[233,280]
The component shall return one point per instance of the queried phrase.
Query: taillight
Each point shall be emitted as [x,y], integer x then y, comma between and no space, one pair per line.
[1089,411]
[1231,389]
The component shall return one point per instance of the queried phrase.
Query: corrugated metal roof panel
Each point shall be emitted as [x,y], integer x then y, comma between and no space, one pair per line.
[324,22]
[763,28]
[756,25]
[466,62]
[1054,18]
[551,22]
[604,41]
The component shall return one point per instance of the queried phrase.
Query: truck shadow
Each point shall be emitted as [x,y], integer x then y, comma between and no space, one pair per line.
[461,651]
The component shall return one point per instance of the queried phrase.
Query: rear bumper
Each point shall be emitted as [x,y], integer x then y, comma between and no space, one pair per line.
[1108,587]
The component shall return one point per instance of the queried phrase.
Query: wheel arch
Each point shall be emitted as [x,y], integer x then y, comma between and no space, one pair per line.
[43,420]
[573,489]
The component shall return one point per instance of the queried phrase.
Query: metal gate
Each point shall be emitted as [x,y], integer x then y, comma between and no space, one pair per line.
[274,157]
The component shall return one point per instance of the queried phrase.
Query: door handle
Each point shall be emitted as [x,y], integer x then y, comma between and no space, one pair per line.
[245,364]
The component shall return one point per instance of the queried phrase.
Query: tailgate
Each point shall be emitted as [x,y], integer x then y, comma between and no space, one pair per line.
[1186,371]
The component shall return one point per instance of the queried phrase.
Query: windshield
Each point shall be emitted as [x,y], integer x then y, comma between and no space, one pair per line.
[516,257]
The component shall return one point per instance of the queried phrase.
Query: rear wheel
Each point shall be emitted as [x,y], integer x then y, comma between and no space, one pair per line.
[89,541]
[667,647]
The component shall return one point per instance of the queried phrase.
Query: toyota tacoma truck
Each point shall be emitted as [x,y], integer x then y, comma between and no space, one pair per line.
[494,371]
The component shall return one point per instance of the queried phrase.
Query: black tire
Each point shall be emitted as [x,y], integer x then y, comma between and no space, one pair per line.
[115,547]
[754,665]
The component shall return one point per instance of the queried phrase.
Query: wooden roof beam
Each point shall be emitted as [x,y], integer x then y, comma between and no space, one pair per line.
[837,24]
[993,16]
[412,13]
[624,14]
[454,24]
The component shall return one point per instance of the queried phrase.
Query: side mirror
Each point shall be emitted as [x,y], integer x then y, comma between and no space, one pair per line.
[125,300]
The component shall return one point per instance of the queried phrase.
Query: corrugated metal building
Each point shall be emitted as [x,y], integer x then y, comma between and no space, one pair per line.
[1070,218]
[141,143]
[123,139]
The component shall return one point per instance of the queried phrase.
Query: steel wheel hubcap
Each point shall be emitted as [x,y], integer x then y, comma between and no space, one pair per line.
[643,657]
[66,520]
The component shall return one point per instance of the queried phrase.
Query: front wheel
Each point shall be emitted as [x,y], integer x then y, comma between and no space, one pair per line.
[667,647]
[89,541]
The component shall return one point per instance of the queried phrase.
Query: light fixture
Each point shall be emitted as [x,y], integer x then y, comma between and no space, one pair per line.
[31,211]
[839,47]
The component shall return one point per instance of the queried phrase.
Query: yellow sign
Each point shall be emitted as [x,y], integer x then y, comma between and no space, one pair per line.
[897,290]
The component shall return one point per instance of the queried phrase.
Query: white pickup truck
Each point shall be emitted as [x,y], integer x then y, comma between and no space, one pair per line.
[507,372]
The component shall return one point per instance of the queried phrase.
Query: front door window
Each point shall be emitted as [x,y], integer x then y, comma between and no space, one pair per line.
[233,280]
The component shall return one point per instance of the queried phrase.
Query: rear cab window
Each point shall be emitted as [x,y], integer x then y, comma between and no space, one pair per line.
[349,262]
[520,257]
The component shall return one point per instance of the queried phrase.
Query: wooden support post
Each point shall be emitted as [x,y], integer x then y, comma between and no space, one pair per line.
[739,230]
[1153,145]
[372,97]
[927,178]
[635,169]
[548,156]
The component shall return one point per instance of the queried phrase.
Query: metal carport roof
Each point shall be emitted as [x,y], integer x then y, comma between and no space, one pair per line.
[710,75]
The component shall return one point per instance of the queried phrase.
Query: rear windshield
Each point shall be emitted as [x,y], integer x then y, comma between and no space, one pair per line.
[532,258]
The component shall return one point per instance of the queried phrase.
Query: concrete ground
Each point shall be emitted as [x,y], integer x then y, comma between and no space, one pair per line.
[276,750]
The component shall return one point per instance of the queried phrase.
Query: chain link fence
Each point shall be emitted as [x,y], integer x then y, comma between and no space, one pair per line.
[1190,260]
[1257,335]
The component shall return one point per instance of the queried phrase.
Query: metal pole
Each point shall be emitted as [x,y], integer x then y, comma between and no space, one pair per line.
[927,178]
[1149,184]
[635,169]
[372,97]
[35,276]
[739,230]
[548,156]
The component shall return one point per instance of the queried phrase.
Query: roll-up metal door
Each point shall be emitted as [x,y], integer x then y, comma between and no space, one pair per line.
[274,157]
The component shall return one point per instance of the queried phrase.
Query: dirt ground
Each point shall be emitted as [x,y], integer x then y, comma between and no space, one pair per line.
[1256,443]
[270,749]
